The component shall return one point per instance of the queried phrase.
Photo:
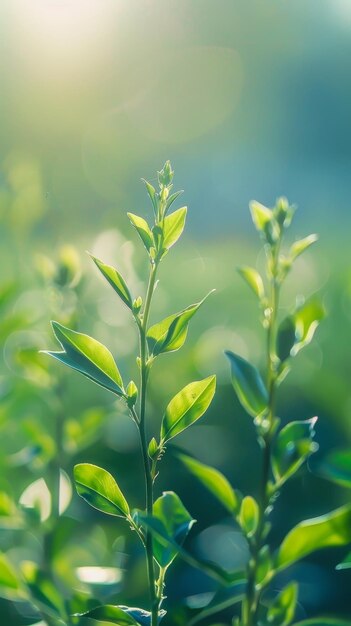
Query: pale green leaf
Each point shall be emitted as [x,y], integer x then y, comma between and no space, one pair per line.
[116,281]
[303,244]
[186,407]
[253,279]
[143,230]
[173,227]
[282,610]
[100,490]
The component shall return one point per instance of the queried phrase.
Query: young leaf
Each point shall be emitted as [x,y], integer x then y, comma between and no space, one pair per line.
[214,481]
[293,445]
[143,230]
[332,529]
[116,281]
[111,614]
[307,318]
[186,407]
[300,246]
[172,521]
[337,467]
[249,516]
[260,214]
[248,385]
[97,487]
[152,195]
[87,356]
[170,334]
[10,583]
[282,610]
[172,198]
[173,227]
[286,338]
[253,279]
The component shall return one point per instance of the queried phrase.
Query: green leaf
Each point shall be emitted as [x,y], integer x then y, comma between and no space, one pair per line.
[293,445]
[248,385]
[170,334]
[286,337]
[43,591]
[172,198]
[249,516]
[282,610]
[172,522]
[214,481]
[303,244]
[253,279]
[111,614]
[89,357]
[143,230]
[224,598]
[332,529]
[186,407]
[152,195]
[307,318]
[116,281]
[260,214]
[346,563]
[10,583]
[173,227]
[337,467]
[100,490]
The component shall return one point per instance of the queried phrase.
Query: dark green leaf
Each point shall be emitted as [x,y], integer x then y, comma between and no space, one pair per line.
[143,230]
[253,279]
[323,621]
[170,334]
[173,227]
[248,385]
[214,481]
[172,522]
[100,490]
[89,357]
[286,337]
[186,407]
[337,467]
[293,445]
[224,598]
[116,281]
[282,610]
[346,563]
[332,529]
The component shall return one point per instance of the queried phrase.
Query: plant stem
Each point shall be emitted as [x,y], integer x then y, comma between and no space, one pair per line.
[143,441]
[251,601]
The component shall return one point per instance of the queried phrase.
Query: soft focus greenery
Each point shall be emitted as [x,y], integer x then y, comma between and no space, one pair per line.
[248,99]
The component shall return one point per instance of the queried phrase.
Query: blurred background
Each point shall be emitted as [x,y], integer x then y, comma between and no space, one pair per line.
[247,100]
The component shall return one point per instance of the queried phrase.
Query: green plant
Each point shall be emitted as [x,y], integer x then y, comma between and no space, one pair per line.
[164,523]
[285,449]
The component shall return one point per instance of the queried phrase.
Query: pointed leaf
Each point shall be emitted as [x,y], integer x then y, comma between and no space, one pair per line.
[214,481]
[111,614]
[89,357]
[260,214]
[303,244]
[293,445]
[249,516]
[248,385]
[253,279]
[100,490]
[173,523]
[152,195]
[186,407]
[10,583]
[282,610]
[332,529]
[286,337]
[173,227]
[172,199]
[143,230]
[170,334]
[116,281]
[307,318]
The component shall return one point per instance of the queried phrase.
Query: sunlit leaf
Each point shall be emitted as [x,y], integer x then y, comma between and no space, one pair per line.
[249,516]
[100,490]
[10,583]
[293,445]
[332,529]
[170,334]
[303,244]
[152,195]
[89,357]
[143,230]
[214,481]
[186,407]
[282,610]
[253,279]
[116,281]
[173,227]
[248,385]
[260,214]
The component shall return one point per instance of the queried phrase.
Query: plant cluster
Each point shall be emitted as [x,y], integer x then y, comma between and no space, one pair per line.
[162,523]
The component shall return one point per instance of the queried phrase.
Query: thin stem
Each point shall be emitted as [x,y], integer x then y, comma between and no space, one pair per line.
[251,601]
[143,441]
